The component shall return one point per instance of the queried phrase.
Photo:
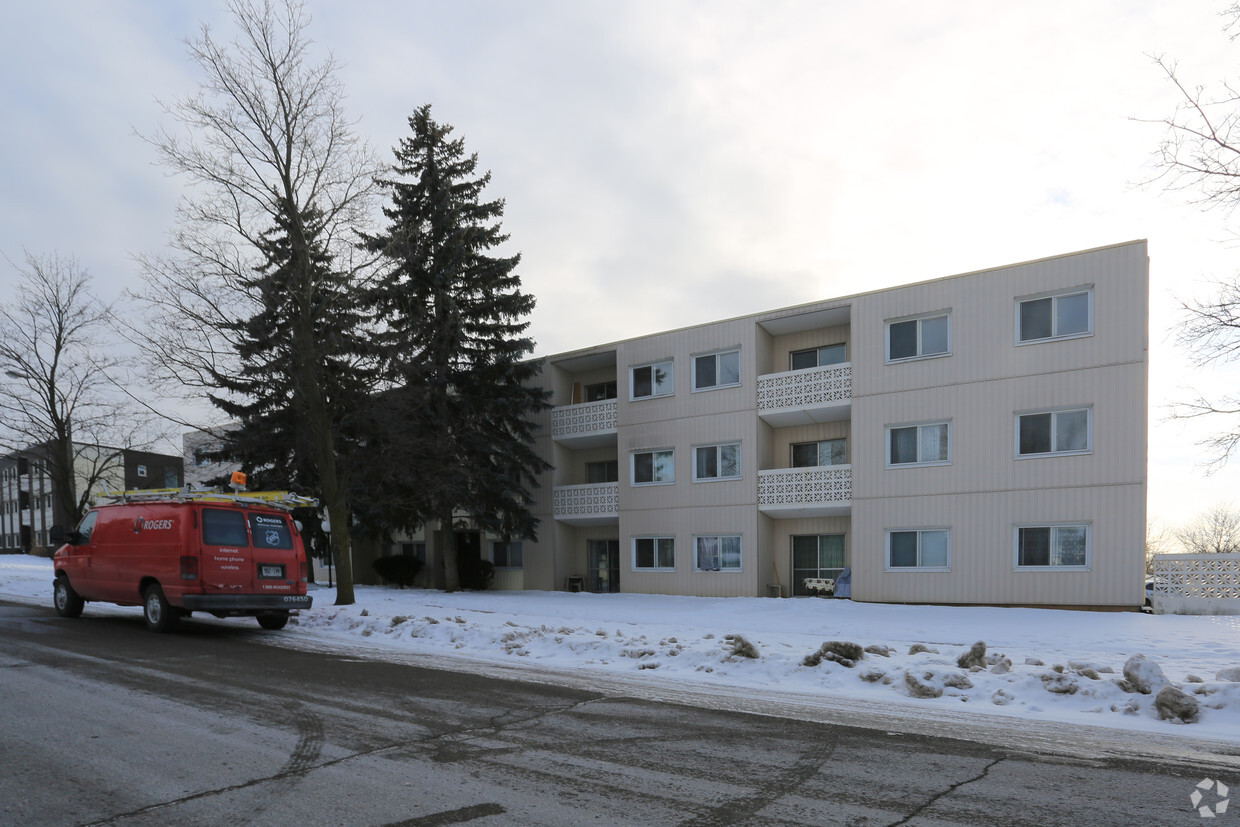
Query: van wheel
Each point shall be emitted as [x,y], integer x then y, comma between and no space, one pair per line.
[159,613]
[273,620]
[68,602]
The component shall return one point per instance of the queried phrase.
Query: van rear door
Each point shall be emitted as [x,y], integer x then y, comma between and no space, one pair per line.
[277,563]
[227,559]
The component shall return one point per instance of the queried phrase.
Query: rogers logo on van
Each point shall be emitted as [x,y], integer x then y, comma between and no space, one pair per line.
[143,524]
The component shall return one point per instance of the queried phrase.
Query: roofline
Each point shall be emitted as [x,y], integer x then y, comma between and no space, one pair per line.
[827,303]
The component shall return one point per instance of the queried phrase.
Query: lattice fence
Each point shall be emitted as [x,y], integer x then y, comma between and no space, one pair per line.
[802,388]
[589,418]
[586,500]
[790,486]
[1198,576]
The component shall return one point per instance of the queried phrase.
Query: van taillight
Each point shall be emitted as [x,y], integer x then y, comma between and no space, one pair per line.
[305,571]
[189,568]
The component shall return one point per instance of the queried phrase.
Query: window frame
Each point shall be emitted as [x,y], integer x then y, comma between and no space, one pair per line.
[740,566]
[606,465]
[918,425]
[1053,413]
[919,318]
[887,538]
[740,473]
[817,351]
[652,451]
[792,446]
[715,354]
[1054,296]
[1052,526]
[655,540]
[798,589]
[671,379]
[508,546]
[608,385]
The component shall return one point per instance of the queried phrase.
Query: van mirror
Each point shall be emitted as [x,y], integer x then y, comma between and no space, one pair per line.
[57,535]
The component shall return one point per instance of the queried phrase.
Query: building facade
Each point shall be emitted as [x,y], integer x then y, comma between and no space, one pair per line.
[975,439]
[29,505]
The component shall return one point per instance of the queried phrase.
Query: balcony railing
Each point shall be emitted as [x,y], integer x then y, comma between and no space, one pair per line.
[802,397]
[822,491]
[590,424]
[594,504]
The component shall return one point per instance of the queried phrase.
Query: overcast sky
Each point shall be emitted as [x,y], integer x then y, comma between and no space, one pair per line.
[671,163]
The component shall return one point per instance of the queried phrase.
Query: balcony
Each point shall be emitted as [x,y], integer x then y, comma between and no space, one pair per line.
[590,425]
[788,493]
[595,504]
[804,397]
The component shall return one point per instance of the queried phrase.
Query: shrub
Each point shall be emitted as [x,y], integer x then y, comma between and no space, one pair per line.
[475,573]
[398,569]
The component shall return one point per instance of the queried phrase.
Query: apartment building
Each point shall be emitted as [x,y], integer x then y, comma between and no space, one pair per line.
[975,439]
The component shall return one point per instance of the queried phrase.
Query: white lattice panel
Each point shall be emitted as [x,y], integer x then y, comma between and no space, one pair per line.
[590,418]
[804,388]
[791,486]
[587,500]
[1206,576]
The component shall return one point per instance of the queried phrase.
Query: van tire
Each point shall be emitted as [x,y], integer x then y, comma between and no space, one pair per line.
[68,602]
[159,613]
[273,620]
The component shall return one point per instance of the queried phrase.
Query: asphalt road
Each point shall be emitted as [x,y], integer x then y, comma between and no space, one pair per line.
[102,722]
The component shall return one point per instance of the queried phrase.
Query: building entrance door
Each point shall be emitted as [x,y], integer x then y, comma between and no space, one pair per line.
[604,558]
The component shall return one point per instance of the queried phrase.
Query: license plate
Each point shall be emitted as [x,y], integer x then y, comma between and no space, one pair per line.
[271,571]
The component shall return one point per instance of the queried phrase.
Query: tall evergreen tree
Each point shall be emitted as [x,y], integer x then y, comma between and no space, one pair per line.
[454,347]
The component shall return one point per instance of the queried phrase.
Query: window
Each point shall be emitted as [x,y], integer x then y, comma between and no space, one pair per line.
[717,370]
[919,444]
[1052,547]
[816,555]
[415,550]
[717,462]
[506,555]
[1055,317]
[653,467]
[141,470]
[1054,432]
[813,454]
[717,553]
[654,553]
[201,458]
[171,478]
[652,380]
[607,470]
[270,531]
[925,549]
[818,357]
[918,338]
[600,391]
[85,528]
[223,528]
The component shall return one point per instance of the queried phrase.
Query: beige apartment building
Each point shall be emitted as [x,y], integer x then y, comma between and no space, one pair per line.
[976,439]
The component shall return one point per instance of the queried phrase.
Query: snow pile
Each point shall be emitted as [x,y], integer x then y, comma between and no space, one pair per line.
[1123,670]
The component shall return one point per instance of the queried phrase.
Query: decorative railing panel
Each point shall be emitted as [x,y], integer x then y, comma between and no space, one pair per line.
[593,500]
[582,420]
[1203,576]
[796,486]
[805,388]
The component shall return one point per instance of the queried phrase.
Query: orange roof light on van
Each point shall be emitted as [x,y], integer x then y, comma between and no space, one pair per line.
[238,480]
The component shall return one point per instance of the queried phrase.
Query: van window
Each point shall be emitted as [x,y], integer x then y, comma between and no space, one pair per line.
[223,528]
[86,527]
[270,531]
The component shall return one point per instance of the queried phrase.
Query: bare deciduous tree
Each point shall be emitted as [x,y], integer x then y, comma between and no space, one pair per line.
[59,399]
[1158,540]
[1216,531]
[264,143]
[1200,155]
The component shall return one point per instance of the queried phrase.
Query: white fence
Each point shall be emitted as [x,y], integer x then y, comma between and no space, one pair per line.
[1197,584]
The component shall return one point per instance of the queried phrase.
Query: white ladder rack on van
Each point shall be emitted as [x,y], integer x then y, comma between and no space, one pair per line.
[277,499]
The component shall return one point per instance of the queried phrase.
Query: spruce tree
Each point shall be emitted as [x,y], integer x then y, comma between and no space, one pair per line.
[454,347]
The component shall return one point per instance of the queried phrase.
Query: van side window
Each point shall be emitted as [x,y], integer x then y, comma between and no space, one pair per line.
[86,527]
[223,528]
[270,531]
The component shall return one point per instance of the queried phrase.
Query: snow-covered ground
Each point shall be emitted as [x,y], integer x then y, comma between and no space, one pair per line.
[680,642]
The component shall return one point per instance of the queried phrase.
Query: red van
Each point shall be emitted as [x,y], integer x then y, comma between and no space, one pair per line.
[232,556]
